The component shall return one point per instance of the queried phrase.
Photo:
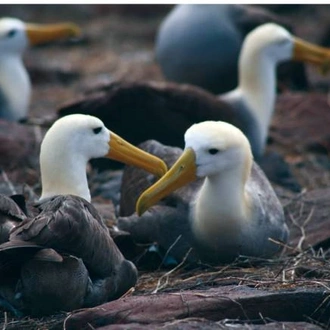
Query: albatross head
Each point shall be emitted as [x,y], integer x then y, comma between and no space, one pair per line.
[211,149]
[217,146]
[15,35]
[13,38]
[75,139]
[278,44]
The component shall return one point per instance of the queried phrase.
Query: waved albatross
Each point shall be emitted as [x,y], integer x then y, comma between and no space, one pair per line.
[61,256]
[231,210]
[197,44]
[15,85]
[164,111]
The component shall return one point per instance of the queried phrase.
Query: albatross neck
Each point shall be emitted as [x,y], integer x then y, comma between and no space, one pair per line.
[222,204]
[15,86]
[257,85]
[64,173]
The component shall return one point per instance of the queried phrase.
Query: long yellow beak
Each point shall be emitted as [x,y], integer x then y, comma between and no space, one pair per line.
[42,33]
[307,52]
[182,172]
[125,152]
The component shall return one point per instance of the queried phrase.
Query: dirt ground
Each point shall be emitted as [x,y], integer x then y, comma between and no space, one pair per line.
[118,43]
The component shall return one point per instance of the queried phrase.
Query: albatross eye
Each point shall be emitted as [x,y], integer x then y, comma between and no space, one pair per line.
[283,42]
[11,33]
[97,130]
[213,151]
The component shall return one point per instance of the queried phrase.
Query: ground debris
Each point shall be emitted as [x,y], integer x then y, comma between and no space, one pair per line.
[242,303]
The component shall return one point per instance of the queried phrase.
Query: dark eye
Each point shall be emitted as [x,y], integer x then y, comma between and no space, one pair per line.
[213,151]
[283,42]
[11,33]
[97,130]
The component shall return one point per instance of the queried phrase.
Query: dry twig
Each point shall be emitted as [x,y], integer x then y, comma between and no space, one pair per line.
[166,275]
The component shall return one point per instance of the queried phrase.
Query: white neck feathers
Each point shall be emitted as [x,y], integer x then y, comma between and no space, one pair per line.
[257,84]
[222,204]
[63,171]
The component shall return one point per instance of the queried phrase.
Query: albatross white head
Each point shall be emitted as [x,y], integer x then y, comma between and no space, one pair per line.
[263,48]
[221,153]
[15,37]
[75,139]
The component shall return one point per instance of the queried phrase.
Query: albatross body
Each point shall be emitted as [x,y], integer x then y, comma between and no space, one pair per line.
[155,107]
[59,254]
[231,209]
[15,85]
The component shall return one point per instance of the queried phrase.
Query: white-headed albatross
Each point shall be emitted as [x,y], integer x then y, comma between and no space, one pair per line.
[61,257]
[15,37]
[155,107]
[231,211]
[198,43]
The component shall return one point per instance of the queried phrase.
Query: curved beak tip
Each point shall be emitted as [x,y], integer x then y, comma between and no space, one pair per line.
[325,67]
[139,208]
[74,30]
[162,168]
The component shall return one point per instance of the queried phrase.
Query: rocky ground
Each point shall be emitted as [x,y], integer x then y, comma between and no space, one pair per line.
[291,292]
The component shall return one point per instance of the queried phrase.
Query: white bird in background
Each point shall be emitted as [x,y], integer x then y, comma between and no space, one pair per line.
[15,37]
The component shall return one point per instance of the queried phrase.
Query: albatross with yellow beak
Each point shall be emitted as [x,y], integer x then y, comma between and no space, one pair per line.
[198,43]
[61,256]
[262,49]
[15,37]
[231,211]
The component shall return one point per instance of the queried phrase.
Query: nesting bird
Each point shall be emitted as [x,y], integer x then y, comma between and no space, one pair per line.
[15,37]
[231,209]
[164,111]
[60,255]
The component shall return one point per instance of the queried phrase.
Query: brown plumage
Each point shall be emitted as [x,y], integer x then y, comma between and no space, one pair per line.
[60,256]
[70,258]
[10,215]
